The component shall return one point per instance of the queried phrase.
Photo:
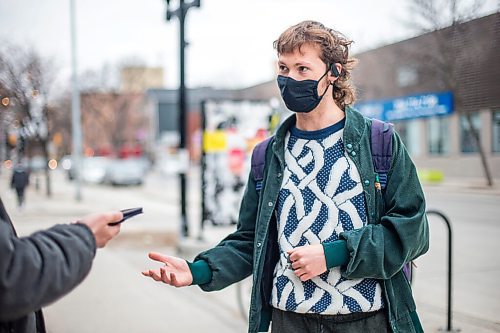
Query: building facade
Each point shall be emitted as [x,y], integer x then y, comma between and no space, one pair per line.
[433,87]
[137,79]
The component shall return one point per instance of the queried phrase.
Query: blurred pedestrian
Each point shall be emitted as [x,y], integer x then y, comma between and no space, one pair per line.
[19,181]
[325,242]
[39,269]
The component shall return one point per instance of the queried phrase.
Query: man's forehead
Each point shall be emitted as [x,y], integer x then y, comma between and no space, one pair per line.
[304,52]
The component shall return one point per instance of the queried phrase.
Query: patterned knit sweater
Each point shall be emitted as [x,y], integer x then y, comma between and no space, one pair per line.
[321,196]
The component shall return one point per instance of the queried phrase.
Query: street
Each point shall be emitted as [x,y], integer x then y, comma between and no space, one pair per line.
[115,297]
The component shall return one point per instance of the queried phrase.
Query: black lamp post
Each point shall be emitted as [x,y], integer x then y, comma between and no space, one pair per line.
[180,13]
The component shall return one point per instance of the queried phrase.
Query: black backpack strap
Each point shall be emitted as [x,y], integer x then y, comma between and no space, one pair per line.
[259,162]
[381,145]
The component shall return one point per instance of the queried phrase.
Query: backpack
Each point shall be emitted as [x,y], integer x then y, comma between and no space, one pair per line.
[381,149]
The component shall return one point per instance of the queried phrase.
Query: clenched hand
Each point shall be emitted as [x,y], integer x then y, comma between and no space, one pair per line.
[308,261]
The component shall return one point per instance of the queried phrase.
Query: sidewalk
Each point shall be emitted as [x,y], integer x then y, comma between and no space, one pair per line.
[116,298]
[472,185]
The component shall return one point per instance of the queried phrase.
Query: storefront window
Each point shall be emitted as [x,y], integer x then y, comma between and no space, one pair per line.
[496,132]
[438,138]
[410,135]
[402,128]
[467,141]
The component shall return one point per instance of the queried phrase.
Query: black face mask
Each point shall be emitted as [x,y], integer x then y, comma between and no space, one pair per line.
[300,96]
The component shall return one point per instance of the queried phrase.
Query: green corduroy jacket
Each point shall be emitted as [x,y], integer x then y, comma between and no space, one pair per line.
[396,233]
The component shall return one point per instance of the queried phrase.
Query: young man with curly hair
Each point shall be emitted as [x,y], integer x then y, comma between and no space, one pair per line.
[326,246]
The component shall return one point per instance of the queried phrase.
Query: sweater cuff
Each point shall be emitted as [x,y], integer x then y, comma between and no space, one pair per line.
[336,253]
[202,274]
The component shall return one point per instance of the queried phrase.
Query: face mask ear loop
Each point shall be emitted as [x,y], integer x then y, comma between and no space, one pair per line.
[327,86]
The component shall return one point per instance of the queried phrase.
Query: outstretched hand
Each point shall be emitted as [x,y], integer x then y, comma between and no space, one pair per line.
[176,271]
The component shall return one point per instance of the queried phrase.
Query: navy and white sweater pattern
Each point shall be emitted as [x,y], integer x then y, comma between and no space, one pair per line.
[320,197]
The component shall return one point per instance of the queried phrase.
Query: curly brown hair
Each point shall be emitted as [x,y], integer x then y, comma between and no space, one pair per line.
[334,48]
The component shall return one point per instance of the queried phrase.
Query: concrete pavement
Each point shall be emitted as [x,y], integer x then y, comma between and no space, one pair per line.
[116,298]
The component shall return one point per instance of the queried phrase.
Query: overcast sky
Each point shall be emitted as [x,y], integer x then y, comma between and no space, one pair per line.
[230,40]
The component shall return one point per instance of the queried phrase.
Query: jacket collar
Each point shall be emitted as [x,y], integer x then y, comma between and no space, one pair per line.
[353,130]
[355,127]
[279,142]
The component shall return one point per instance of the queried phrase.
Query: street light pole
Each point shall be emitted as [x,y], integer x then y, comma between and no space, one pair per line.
[75,108]
[180,13]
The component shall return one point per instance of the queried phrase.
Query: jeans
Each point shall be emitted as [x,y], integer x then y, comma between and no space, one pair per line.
[364,322]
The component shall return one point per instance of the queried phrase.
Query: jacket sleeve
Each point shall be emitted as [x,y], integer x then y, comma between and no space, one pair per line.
[39,269]
[231,260]
[381,250]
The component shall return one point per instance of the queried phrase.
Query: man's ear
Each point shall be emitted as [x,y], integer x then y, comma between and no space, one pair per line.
[335,70]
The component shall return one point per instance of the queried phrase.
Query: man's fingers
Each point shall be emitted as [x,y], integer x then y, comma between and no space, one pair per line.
[117,216]
[305,277]
[299,272]
[164,276]
[115,229]
[155,275]
[296,265]
[161,275]
[159,257]
[114,216]
[294,256]
[173,279]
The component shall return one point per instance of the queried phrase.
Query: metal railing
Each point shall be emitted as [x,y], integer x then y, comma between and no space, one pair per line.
[449,325]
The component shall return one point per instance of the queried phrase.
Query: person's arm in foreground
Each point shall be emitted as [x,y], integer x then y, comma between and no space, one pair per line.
[39,269]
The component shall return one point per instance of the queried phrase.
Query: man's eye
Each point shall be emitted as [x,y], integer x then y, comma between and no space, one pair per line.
[303,69]
[283,68]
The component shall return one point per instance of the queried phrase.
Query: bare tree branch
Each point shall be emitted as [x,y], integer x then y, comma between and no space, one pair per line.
[444,19]
[26,78]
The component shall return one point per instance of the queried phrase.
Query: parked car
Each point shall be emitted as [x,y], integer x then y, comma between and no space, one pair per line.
[130,171]
[93,168]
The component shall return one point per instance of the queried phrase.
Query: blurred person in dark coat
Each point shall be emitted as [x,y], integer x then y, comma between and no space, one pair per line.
[19,181]
[39,269]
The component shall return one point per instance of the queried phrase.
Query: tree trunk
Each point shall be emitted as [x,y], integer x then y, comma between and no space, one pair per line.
[482,154]
[48,183]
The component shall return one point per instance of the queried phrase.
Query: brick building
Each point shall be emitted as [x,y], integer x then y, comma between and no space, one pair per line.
[461,63]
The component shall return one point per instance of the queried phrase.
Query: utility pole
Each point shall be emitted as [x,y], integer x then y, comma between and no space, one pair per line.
[76,155]
[180,13]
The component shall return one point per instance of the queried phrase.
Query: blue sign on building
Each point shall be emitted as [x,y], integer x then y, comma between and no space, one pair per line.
[408,107]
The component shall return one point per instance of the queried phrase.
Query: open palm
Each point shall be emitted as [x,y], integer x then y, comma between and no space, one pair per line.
[176,271]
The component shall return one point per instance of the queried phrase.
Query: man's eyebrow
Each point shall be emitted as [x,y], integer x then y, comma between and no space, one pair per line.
[302,63]
[298,63]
